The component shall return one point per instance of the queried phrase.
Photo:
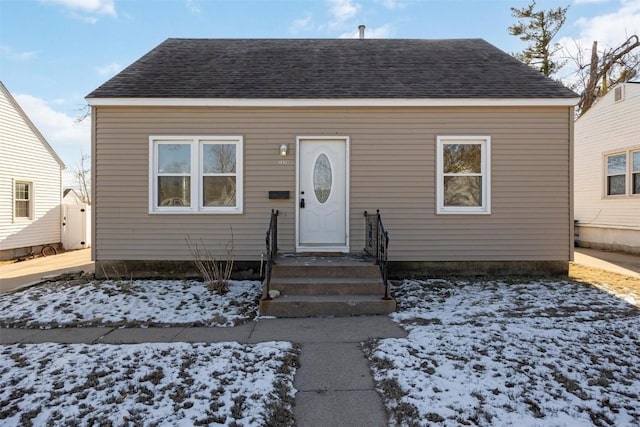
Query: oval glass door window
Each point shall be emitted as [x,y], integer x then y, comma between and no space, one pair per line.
[322,178]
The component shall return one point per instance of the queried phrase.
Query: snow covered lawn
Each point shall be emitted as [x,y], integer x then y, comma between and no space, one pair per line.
[129,303]
[147,384]
[552,353]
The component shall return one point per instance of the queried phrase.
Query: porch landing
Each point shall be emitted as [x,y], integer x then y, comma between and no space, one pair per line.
[325,285]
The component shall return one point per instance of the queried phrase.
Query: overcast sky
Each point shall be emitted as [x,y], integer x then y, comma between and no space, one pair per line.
[54,52]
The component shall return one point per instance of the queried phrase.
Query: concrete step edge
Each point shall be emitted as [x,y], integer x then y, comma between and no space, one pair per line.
[326,280]
[329,305]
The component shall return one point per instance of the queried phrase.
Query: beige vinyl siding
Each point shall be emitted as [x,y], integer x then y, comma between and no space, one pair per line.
[608,127]
[24,157]
[392,168]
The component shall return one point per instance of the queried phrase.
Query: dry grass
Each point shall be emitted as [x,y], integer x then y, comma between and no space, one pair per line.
[617,284]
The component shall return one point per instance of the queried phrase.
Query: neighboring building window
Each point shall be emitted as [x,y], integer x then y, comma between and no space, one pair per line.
[635,172]
[622,173]
[463,164]
[196,174]
[23,199]
[616,174]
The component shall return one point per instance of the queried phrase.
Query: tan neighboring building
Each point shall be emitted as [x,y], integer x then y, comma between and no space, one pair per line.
[30,184]
[466,152]
[607,172]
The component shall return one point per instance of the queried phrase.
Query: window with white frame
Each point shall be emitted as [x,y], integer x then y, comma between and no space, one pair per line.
[622,173]
[23,199]
[463,169]
[195,174]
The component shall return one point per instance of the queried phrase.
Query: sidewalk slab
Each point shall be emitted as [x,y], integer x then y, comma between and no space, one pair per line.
[140,335]
[333,366]
[14,335]
[339,408]
[68,335]
[326,329]
[208,335]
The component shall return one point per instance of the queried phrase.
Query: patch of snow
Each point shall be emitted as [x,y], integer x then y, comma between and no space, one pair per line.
[122,303]
[146,384]
[552,353]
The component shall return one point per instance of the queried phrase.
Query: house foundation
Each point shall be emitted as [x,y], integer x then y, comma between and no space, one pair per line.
[250,270]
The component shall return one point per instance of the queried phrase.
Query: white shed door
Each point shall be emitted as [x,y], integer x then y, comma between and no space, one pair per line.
[322,195]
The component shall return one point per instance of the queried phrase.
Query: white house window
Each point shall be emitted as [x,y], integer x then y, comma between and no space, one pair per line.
[463,165]
[173,174]
[23,199]
[219,176]
[195,174]
[616,174]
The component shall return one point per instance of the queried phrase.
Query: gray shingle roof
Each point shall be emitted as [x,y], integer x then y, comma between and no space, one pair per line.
[328,69]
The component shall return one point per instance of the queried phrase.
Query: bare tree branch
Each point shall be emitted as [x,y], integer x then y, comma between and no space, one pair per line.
[82,174]
[612,67]
[85,112]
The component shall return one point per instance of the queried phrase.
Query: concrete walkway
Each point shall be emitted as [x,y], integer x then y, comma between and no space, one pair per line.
[616,262]
[26,273]
[334,383]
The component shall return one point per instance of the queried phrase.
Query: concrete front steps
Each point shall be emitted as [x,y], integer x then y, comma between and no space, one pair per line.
[341,285]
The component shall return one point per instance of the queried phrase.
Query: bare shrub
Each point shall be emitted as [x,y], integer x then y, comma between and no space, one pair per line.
[215,272]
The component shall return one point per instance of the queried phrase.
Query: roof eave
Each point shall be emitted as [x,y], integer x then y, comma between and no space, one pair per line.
[333,102]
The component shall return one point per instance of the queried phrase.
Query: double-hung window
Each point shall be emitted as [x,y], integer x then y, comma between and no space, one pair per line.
[23,199]
[195,174]
[622,173]
[616,174]
[463,169]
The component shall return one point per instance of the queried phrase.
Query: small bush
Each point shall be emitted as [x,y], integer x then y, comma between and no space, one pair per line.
[216,273]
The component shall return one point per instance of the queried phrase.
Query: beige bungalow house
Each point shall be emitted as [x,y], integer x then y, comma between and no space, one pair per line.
[466,152]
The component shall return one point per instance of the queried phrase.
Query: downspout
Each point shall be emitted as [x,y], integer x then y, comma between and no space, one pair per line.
[94,205]
[572,222]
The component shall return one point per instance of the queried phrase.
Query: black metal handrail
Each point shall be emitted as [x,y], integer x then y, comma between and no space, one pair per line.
[272,250]
[377,244]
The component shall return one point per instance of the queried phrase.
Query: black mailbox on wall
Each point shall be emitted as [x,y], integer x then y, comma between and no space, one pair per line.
[278,194]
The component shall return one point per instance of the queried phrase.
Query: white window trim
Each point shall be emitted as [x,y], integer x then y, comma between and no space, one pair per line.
[197,142]
[628,173]
[32,193]
[485,168]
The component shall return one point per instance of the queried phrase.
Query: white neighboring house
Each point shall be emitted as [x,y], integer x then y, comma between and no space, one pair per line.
[607,172]
[76,221]
[30,183]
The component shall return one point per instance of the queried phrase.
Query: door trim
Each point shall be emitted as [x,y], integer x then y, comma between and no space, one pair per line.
[347,165]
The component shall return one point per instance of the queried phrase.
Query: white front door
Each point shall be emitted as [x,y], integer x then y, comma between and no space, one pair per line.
[322,199]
